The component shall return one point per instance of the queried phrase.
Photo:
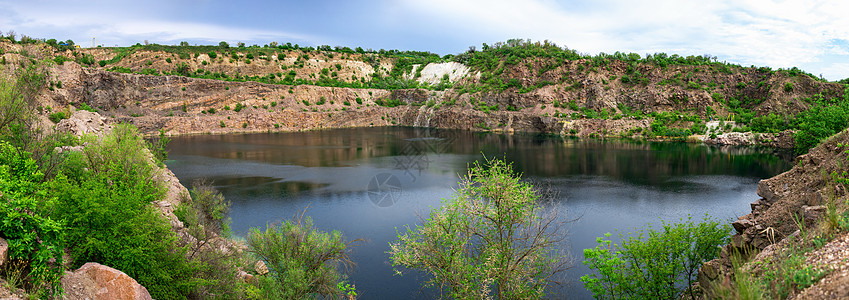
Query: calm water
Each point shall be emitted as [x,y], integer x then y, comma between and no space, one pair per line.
[367,182]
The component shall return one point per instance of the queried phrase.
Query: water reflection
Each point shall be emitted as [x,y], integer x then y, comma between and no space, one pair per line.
[647,163]
[610,184]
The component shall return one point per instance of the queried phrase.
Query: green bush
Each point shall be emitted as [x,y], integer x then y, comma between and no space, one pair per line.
[212,54]
[157,147]
[653,264]
[60,59]
[819,122]
[104,196]
[206,210]
[389,102]
[86,107]
[771,123]
[17,102]
[58,116]
[150,71]
[302,261]
[34,237]
[491,239]
[85,59]
[182,69]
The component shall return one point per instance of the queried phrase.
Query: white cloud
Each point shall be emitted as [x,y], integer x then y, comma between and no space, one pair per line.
[835,71]
[760,32]
[129,27]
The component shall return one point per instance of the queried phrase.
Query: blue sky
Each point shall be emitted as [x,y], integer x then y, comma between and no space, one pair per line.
[811,35]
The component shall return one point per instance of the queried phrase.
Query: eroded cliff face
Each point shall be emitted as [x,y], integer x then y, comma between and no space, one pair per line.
[567,93]
[182,105]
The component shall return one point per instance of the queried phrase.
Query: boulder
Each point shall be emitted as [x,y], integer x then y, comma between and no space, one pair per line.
[261,268]
[82,122]
[813,213]
[245,276]
[4,252]
[98,282]
[765,190]
[742,224]
[709,275]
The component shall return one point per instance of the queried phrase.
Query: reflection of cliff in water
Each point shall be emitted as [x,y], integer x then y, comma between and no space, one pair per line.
[637,162]
[644,162]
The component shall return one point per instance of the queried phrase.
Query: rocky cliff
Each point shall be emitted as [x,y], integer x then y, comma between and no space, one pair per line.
[298,89]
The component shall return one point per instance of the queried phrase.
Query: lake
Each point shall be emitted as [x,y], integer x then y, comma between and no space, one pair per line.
[372,182]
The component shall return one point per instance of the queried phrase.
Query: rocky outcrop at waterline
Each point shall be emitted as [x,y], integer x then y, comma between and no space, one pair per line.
[795,199]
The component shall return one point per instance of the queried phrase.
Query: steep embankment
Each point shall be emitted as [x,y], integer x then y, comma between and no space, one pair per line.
[786,221]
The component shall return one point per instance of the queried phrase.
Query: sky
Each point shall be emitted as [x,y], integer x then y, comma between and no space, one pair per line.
[810,35]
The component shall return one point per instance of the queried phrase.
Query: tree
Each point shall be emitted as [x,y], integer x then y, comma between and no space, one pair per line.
[493,237]
[17,99]
[223,44]
[653,264]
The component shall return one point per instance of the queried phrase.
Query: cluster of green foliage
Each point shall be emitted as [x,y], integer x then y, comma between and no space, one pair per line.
[771,123]
[662,120]
[302,260]
[58,116]
[653,264]
[389,102]
[103,195]
[492,239]
[825,118]
[34,237]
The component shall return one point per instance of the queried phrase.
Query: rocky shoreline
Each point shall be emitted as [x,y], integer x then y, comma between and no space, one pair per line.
[798,197]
